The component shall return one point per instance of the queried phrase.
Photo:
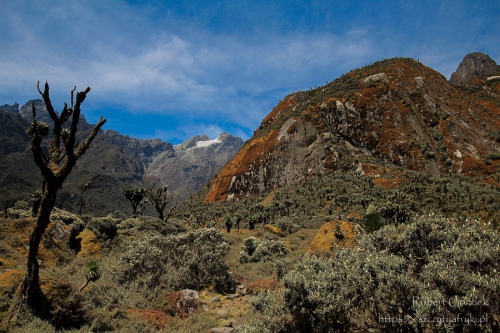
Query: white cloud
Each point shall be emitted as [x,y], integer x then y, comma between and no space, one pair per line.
[150,69]
[183,133]
[136,61]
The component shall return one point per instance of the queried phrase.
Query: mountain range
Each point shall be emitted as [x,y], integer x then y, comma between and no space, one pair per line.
[395,112]
[113,161]
[385,175]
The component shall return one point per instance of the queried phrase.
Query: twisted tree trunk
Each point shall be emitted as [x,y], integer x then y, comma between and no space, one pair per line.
[55,168]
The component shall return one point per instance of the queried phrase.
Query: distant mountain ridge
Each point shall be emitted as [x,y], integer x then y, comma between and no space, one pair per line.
[113,160]
[394,112]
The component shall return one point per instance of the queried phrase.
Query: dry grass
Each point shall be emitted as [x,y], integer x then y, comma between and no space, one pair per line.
[108,305]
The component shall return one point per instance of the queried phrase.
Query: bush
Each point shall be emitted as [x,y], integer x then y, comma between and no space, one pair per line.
[20,209]
[270,308]
[255,250]
[372,220]
[149,224]
[191,260]
[103,227]
[288,224]
[65,217]
[400,279]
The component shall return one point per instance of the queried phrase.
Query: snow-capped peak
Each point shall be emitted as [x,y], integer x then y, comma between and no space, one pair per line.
[207,143]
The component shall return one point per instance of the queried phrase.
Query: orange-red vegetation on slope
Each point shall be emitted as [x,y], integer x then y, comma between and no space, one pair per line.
[273,115]
[10,279]
[155,318]
[472,167]
[252,152]
[392,110]
[261,285]
[388,184]
[87,244]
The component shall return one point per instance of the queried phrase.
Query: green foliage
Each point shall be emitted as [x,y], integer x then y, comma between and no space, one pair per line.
[94,270]
[271,310]
[393,211]
[191,260]
[398,280]
[39,129]
[254,250]
[65,217]
[308,203]
[288,224]
[493,156]
[29,323]
[20,209]
[372,220]
[338,232]
[152,225]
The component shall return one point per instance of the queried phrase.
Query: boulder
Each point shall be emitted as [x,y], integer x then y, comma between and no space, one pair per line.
[182,302]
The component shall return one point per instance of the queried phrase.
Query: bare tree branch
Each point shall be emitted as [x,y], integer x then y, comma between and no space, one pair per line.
[53,178]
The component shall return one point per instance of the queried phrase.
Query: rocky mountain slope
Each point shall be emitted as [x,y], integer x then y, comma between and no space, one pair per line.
[193,163]
[114,160]
[396,111]
[473,65]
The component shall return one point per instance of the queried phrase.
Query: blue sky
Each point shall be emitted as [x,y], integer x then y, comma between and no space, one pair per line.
[174,69]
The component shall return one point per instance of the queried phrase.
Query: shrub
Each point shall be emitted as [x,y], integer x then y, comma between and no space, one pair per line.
[400,279]
[149,224]
[288,224]
[65,217]
[191,260]
[255,250]
[103,227]
[270,308]
[493,156]
[338,232]
[20,209]
[372,220]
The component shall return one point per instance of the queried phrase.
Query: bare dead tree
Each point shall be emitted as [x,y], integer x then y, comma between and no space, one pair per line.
[160,198]
[5,208]
[134,196]
[55,167]
[82,200]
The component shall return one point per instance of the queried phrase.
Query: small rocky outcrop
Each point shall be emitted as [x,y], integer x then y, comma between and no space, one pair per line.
[182,303]
[473,65]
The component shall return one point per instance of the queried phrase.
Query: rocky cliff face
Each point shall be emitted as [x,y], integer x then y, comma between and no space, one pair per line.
[192,163]
[395,111]
[114,160]
[473,65]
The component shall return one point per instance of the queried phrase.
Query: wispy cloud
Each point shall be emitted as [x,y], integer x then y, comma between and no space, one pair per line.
[141,60]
